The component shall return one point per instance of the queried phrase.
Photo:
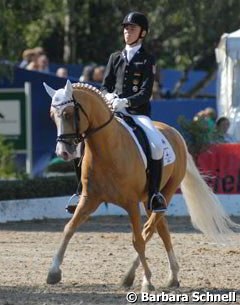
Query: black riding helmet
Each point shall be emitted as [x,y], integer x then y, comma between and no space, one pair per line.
[136,18]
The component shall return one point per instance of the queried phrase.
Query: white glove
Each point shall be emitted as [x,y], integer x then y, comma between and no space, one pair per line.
[110,97]
[119,104]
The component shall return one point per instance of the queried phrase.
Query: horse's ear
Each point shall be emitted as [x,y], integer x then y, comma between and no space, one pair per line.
[68,88]
[49,90]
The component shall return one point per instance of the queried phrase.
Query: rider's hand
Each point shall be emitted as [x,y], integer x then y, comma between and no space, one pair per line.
[110,97]
[119,104]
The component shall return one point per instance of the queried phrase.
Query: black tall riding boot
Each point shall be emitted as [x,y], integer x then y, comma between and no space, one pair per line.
[72,204]
[78,170]
[157,202]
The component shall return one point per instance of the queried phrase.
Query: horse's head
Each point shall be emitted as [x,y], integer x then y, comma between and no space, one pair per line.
[65,113]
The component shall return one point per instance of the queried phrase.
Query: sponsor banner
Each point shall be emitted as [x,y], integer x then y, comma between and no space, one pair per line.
[221,166]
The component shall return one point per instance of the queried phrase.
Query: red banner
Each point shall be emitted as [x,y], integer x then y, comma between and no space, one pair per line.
[221,164]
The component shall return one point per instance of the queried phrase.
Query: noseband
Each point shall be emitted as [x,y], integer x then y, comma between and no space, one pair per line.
[76,137]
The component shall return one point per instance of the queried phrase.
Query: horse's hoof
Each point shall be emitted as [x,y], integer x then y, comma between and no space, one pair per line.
[54,277]
[148,288]
[173,284]
[127,281]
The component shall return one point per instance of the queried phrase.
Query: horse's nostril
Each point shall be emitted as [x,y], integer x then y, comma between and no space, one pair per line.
[64,155]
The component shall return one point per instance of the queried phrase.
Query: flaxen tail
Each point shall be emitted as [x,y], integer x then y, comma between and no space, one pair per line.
[206,211]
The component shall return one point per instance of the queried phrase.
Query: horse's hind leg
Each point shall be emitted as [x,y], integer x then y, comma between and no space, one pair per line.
[163,231]
[83,210]
[147,233]
[139,245]
[157,222]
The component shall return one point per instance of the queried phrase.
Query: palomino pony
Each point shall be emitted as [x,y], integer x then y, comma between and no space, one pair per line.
[113,171]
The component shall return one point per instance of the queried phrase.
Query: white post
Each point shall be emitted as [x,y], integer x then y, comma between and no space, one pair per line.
[29,161]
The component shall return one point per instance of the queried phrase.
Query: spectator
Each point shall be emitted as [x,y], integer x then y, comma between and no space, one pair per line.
[35,54]
[26,58]
[87,74]
[42,63]
[33,62]
[62,72]
[222,127]
[98,74]
[210,117]
[39,51]
[199,116]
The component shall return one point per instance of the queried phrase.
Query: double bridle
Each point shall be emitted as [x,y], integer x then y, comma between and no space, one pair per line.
[76,137]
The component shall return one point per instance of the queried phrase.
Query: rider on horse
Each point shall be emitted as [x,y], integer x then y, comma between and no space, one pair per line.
[127,86]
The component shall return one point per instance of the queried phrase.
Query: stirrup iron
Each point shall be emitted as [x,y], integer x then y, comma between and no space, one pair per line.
[71,207]
[158,203]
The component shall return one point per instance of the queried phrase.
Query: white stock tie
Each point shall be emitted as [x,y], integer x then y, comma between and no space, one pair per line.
[130,54]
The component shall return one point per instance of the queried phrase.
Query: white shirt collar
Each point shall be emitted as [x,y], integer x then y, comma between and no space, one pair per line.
[131,51]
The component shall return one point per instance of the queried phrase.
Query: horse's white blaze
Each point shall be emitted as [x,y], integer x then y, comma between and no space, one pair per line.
[60,147]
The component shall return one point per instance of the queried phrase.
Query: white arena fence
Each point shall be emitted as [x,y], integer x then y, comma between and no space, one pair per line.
[54,208]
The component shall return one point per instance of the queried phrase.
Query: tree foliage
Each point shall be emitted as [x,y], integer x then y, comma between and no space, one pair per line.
[198,135]
[183,34]
[7,166]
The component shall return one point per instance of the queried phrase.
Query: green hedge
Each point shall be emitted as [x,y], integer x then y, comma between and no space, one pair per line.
[37,188]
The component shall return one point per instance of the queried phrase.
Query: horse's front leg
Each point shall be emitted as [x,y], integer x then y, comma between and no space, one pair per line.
[129,277]
[83,210]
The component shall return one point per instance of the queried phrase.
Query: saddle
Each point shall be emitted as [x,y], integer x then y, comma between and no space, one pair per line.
[139,134]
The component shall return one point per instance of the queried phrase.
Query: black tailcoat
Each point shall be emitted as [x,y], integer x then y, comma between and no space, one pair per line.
[132,80]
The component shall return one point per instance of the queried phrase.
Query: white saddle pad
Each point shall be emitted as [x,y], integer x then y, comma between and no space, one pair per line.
[168,153]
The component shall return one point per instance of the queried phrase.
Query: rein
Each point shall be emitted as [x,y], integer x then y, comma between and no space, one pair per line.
[77,137]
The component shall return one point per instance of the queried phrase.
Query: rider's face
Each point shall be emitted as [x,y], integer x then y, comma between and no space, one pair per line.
[131,33]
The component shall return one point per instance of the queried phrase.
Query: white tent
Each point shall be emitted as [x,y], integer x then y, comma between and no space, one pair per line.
[228,80]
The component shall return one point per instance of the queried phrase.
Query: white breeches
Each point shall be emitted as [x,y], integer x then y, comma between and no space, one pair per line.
[152,134]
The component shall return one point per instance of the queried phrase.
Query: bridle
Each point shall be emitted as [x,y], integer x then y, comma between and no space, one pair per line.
[76,138]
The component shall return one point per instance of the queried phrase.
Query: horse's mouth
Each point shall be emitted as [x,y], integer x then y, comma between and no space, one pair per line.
[66,152]
[65,156]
